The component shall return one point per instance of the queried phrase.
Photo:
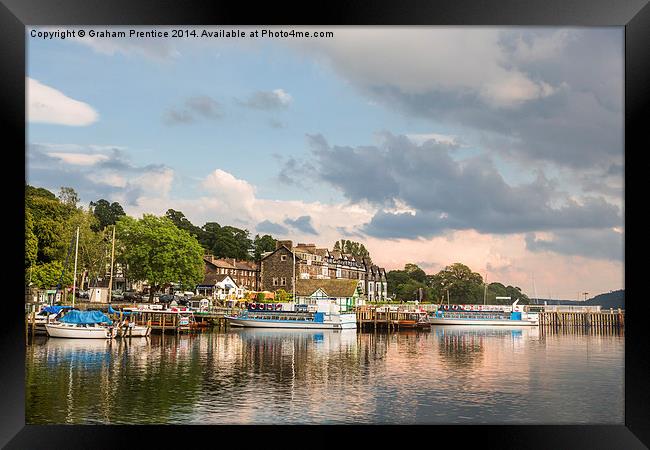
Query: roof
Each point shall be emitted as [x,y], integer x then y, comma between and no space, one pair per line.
[213,278]
[333,288]
[230,263]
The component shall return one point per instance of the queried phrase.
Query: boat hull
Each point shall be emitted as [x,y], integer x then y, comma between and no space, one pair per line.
[73,332]
[490,322]
[347,321]
[136,331]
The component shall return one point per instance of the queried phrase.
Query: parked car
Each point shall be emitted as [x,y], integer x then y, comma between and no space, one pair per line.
[166,298]
[132,296]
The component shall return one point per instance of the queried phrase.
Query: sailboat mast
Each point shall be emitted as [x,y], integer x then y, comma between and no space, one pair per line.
[74,279]
[294,275]
[110,283]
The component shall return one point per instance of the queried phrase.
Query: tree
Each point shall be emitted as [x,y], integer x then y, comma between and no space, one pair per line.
[157,251]
[355,249]
[282,296]
[31,241]
[463,285]
[263,244]
[68,197]
[48,216]
[106,213]
[415,273]
[47,275]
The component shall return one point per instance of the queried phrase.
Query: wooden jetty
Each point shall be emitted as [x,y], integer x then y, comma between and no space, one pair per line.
[612,319]
[389,318]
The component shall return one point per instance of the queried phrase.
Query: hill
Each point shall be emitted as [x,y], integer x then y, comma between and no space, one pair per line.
[614,299]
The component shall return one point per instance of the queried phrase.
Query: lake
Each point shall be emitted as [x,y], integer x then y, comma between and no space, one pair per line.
[449,375]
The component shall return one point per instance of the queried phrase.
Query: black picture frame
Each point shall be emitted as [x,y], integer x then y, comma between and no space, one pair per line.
[15,15]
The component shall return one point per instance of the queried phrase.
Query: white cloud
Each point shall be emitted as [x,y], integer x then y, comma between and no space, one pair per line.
[283,97]
[421,60]
[48,105]
[440,138]
[79,159]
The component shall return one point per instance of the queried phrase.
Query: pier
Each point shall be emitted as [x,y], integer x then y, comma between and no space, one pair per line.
[388,318]
[612,319]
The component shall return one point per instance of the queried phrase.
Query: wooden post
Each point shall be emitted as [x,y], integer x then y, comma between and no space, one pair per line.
[33,323]
[26,328]
[163,323]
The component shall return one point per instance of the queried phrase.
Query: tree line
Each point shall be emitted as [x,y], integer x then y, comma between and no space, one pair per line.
[160,250]
[455,282]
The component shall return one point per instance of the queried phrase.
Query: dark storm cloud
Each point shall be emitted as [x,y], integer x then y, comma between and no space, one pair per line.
[576,122]
[302,223]
[194,108]
[601,244]
[446,194]
[266,226]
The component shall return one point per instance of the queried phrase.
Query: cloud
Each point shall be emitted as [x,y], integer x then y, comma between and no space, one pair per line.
[542,95]
[48,105]
[268,100]
[600,244]
[266,226]
[194,108]
[302,223]
[159,49]
[96,172]
[422,190]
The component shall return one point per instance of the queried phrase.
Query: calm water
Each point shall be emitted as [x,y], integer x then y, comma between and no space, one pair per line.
[467,375]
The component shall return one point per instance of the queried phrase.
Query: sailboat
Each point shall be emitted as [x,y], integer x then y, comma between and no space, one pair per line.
[82,325]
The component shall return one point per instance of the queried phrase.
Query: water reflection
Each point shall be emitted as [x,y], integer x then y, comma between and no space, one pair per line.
[451,374]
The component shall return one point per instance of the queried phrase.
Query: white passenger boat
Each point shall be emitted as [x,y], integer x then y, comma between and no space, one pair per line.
[457,315]
[298,318]
[82,325]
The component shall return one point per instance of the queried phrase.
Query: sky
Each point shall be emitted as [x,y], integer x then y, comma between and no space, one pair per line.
[501,148]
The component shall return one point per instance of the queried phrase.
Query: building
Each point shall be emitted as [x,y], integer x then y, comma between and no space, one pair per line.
[244,273]
[312,263]
[345,294]
[219,287]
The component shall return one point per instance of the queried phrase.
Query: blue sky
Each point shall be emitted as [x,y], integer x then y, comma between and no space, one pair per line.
[501,148]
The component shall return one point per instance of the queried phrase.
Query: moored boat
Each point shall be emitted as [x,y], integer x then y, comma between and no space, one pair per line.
[82,325]
[301,317]
[456,315]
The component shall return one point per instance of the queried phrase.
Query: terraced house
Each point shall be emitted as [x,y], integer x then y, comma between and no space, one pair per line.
[244,273]
[312,263]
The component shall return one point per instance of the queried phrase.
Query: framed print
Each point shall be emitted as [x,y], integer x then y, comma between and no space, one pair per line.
[360,219]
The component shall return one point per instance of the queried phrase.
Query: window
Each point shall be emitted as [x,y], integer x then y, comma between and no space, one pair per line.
[283,257]
[283,281]
[275,281]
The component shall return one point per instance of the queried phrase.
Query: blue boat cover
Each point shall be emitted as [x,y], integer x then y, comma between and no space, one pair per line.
[55,309]
[86,317]
[124,313]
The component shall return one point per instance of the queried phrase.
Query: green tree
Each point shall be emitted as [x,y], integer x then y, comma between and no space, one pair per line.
[263,244]
[415,273]
[463,285]
[106,213]
[47,275]
[158,252]
[68,197]
[48,216]
[31,241]
[282,296]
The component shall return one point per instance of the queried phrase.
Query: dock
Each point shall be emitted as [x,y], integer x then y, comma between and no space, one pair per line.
[600,320]
[388,318]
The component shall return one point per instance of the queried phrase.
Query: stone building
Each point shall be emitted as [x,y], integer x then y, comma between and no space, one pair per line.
[312,263]
[244,273]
